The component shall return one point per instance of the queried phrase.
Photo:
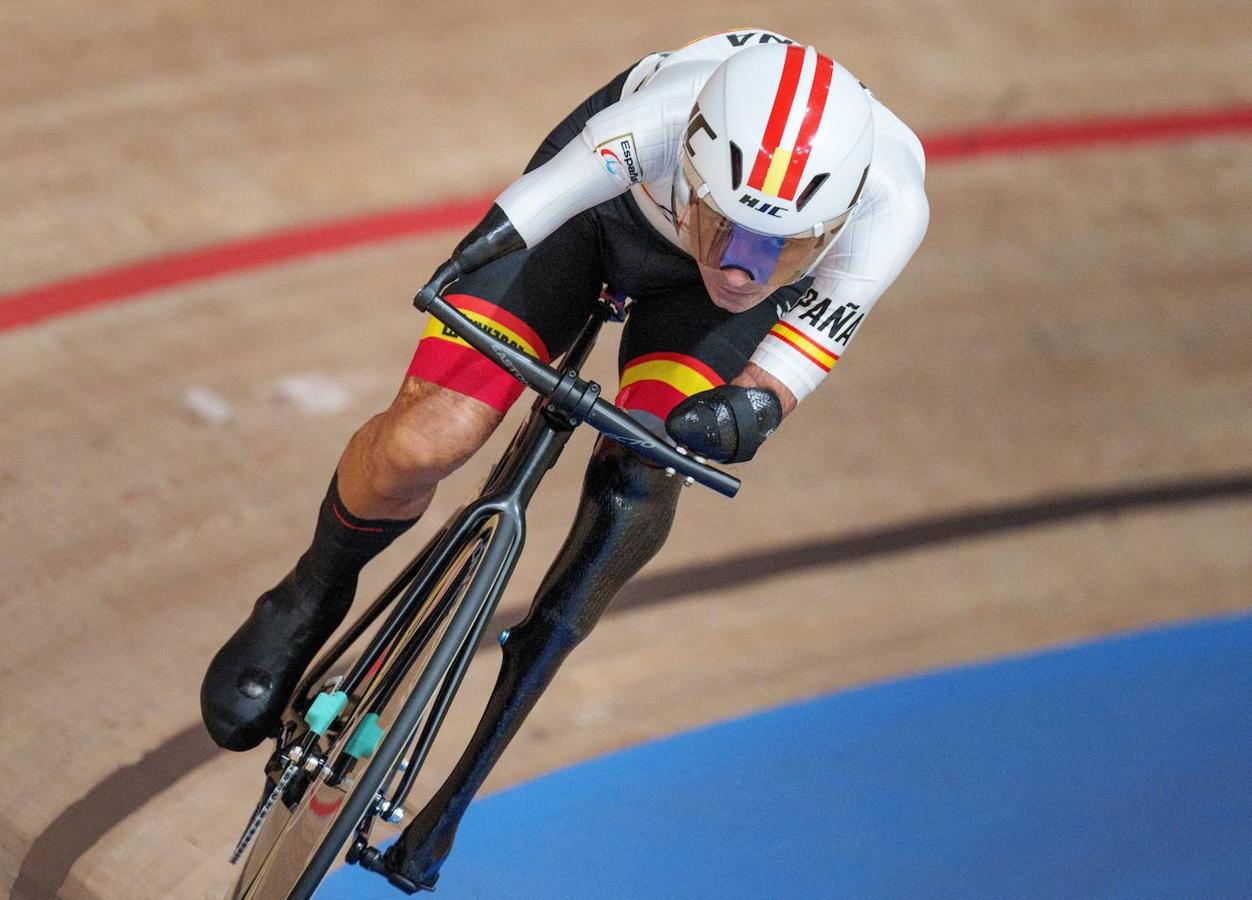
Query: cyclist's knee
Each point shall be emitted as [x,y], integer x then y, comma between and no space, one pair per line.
[426,434]
[627,487]
[623,519]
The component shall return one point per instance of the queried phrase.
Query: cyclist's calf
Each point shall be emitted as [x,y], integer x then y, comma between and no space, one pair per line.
[394,461]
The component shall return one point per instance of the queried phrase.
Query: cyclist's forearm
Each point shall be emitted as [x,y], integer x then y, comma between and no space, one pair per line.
[545,198]
[531,208]
[754,376]
[493,237]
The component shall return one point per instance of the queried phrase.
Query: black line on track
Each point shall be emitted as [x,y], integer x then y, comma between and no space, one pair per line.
[839,550]
[75,831]
[52,854]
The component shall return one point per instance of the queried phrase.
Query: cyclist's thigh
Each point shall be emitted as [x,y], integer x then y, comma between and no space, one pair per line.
[679,343]
[535,299]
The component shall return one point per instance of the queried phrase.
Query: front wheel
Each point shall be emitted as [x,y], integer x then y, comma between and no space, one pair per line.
[342,780]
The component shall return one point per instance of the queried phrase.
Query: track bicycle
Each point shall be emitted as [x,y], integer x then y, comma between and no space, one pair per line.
[352,744]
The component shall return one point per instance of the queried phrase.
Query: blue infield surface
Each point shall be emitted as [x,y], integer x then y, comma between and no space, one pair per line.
[1121,768]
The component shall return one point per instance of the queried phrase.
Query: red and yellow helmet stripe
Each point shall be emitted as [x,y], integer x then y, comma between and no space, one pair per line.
[778,169]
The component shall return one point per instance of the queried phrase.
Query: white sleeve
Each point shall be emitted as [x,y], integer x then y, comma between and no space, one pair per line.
[873,248]
[630,142]
[547,197]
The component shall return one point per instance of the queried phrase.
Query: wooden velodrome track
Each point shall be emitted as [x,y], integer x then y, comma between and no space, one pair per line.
[1044,433]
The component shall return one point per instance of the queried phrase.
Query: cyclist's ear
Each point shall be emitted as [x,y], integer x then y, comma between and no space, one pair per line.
[726,424]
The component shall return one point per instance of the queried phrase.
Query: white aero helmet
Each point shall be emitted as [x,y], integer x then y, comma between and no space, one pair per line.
[773,160]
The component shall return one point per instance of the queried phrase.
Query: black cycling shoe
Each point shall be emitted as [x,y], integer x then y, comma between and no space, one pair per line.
[253,676]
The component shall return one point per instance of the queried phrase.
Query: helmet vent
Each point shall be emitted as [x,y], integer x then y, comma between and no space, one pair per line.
[860,187]
[736,165]
[807,194]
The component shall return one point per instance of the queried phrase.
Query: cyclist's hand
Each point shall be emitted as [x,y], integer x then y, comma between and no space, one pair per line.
[726,424]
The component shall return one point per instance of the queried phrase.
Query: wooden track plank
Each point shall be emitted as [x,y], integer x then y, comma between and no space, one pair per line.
[1070,323]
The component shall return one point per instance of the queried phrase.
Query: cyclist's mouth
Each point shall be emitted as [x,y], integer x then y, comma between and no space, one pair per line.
[730,296]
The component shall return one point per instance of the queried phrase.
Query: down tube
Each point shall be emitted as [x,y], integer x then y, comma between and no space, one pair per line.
[452,683]
[412,594]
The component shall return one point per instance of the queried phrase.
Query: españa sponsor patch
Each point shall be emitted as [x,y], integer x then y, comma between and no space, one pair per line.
[619,157]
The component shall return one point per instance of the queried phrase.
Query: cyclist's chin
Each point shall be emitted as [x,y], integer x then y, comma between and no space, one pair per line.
[733,300]
[737,303]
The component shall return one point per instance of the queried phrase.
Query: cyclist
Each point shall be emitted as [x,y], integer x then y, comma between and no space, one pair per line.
[754,200]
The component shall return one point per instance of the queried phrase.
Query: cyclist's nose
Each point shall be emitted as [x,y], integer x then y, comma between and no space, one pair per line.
[736,278]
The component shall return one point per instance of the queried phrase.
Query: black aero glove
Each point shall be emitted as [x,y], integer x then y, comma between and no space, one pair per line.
[728,423]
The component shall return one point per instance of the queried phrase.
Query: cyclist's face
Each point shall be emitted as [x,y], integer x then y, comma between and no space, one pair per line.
[732,289]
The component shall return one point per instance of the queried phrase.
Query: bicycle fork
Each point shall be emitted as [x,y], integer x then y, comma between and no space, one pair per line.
[504,504]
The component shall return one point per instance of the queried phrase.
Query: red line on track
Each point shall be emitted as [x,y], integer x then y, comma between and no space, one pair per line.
[1072,134]
[143,277]
[26,307]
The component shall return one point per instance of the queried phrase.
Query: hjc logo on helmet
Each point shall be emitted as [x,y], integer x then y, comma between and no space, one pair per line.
[769,209]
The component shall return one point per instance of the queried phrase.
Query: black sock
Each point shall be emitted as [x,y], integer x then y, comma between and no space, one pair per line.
[344,543]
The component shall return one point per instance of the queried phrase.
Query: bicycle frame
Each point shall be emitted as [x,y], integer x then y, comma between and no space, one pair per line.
[534,450]
[527,440]
[499,517]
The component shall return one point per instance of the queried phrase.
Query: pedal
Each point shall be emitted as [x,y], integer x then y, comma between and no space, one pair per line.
[262,810]
[372,859]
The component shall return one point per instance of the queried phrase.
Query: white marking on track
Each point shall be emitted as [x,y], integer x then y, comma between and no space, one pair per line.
[208,406]
[315,394]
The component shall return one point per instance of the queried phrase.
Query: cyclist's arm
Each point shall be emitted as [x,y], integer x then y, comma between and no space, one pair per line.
[802,348]
[629,142]
[632,141]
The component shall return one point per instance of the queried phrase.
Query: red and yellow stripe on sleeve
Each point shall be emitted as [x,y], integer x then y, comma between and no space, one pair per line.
[807,348]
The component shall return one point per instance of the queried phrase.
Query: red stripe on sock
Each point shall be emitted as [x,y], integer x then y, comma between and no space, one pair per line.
[346,524]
